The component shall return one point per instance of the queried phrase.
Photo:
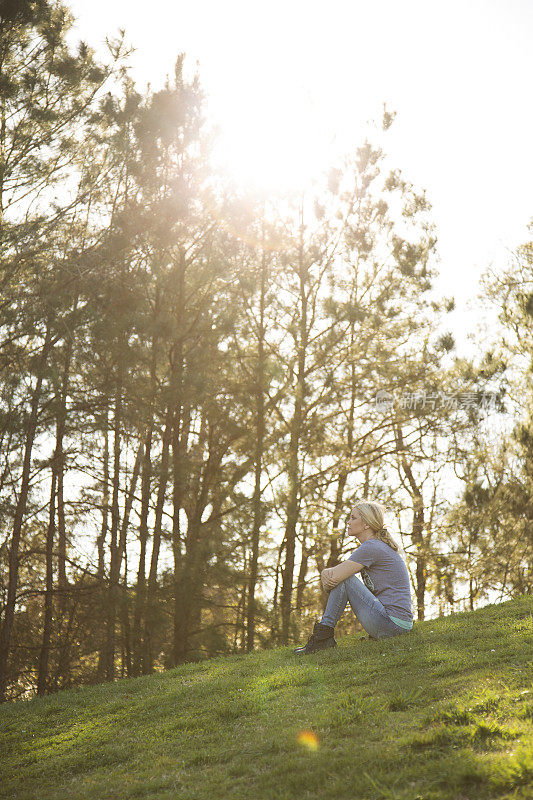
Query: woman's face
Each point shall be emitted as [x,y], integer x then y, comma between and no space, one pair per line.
[356,524]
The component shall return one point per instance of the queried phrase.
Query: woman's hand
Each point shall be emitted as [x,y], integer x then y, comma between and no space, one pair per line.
[327,581]
[332,576]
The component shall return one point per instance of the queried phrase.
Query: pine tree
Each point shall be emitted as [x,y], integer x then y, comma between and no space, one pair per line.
[46,93]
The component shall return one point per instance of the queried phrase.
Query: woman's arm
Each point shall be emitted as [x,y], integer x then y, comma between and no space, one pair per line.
[332,576]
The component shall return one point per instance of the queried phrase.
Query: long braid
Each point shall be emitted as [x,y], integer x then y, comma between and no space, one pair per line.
[385,536]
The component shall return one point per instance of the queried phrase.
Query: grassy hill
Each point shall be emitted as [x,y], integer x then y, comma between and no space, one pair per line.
[443,712]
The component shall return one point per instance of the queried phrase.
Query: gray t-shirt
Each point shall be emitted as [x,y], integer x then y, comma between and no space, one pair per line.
[386,576]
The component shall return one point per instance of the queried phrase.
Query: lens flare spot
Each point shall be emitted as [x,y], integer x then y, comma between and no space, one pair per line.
[308,739]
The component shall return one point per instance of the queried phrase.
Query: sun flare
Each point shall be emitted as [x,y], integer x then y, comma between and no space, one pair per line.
[274,143]
[308,739]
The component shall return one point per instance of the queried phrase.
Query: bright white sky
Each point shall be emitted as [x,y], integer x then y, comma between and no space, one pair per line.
[291,83]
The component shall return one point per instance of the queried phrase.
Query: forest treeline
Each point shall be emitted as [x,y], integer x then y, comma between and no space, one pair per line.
[196,382]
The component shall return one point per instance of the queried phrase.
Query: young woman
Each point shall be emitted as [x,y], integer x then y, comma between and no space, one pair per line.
[382,600]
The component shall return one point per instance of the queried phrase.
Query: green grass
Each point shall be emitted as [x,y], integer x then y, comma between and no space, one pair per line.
[443,712]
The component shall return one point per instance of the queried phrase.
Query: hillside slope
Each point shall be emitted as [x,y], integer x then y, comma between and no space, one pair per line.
[443,712]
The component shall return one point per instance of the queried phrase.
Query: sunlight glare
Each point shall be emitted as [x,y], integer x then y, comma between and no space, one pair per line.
[308,739]
[274,143]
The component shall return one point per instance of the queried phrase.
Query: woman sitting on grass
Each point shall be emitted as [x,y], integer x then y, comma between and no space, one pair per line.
[382,604]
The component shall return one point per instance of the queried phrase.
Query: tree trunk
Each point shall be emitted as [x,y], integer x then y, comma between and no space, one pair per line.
[7,627]
[294,461]
[42,678]
[188,588]
[337,535]
[339,512]
[179,447]
[115,594]
[471,591]
[139,610]
[151,600]
[417,530]
[56,500]
[186,593]
[59,466]
[126,633]
[101,544]
[140,589]
[259,446]
[114,561]
[274,628]
[301,575]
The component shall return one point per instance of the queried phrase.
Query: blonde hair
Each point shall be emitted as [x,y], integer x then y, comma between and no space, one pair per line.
[373,513]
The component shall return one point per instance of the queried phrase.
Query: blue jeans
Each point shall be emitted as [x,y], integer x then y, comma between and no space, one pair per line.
[367,608]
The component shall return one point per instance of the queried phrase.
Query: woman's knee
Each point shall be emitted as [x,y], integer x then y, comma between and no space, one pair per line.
[352,580]
[356,588]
